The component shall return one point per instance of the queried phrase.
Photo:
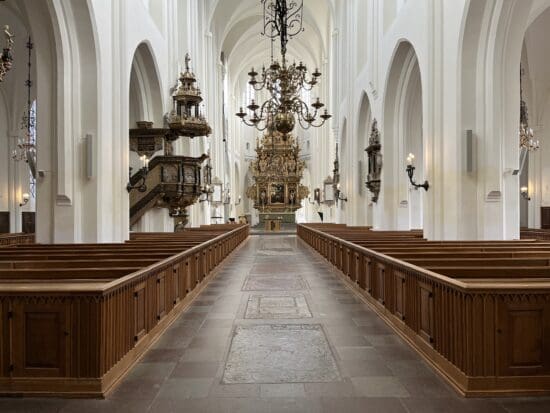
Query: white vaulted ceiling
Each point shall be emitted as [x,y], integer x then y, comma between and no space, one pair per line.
[237,25]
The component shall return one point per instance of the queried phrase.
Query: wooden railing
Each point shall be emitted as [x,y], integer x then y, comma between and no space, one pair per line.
[540,234]
[15,239]
[485,336]
[78,336]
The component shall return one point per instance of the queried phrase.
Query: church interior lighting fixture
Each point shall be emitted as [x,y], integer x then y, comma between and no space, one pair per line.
[284,82]
[207,189]
[338,194]
[527,139]
[26,146]
[410,172]
[24,199]
[144,170]
[6,61]
[524,191]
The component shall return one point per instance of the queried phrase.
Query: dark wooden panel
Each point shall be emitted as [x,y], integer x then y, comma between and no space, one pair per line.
[28,222]
[545,217]
[400,295]
[524,333]
[140,312]
[40,340]
[426,312]
[4,222]
[161,296]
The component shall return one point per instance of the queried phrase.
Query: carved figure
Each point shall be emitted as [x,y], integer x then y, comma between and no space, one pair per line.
[9,37]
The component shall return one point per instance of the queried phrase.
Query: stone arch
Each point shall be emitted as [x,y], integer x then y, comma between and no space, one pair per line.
[362,205]
[402,132]
[145,87]
[66,79]
[490,53]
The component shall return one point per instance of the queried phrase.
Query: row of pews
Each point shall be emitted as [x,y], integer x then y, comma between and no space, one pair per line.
[74,318]
[15,239]
[540,234]
[478,311]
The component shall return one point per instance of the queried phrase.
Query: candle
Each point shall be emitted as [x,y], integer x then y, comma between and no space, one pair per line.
[410,159]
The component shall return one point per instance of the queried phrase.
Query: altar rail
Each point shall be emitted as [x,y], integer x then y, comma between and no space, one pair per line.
[488,336]
[16,238]
[75,318]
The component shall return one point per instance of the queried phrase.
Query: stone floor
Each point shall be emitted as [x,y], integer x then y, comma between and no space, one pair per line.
[277,331]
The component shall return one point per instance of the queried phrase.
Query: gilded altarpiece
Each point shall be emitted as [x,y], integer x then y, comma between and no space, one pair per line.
[277,172]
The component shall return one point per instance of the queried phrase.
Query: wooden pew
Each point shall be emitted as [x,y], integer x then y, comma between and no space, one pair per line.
[9,239]
[479,311]
[75,318]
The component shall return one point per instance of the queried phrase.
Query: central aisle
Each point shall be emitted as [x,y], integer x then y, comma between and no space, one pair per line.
[277,330]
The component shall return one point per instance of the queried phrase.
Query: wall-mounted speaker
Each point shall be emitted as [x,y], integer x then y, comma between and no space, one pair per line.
[469,151]
[89,155]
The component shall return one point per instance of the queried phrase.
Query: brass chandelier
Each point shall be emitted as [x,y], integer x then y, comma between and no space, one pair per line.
[285,83]
[26,146]
[527,139]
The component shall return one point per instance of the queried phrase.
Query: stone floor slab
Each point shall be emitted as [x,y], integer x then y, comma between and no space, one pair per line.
[282,353]
[280,306]
[274,282]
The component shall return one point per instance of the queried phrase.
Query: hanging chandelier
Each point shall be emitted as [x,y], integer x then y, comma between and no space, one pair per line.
[26,146]
[284,83]
[6,60]
[527,139]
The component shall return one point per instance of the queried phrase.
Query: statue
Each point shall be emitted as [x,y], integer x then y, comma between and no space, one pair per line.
[168,148]
[263,197]
[9,37]
[292,197]
[375,162]
[291,164]
[262,163]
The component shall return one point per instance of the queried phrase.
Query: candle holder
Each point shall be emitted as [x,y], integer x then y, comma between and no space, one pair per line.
[144,170]
[25,199]
[338,195]
[410,172]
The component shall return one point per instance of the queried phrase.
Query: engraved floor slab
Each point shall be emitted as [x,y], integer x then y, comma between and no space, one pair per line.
[274,282]
[281,353]
[288,306]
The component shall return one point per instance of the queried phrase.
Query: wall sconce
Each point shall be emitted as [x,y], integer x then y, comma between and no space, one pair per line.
[25,197]
[410,172]
[239,201]
[227,198]
[144,170]
[338,195]
[207,191]
[524,191]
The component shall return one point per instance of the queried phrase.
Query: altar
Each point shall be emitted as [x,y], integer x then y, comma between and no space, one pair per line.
[272,224]
[276,190]
[283,217]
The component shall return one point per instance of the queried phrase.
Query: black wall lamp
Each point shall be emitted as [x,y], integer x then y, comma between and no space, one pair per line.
[524,191]
[338,195]
[25,199]
[144,170]
[316,197]
[410,172]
